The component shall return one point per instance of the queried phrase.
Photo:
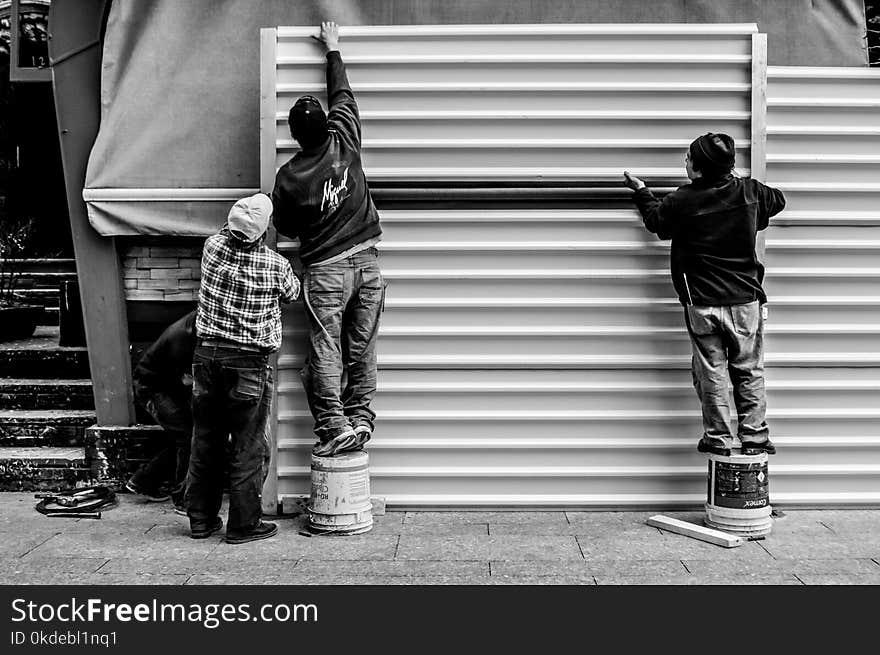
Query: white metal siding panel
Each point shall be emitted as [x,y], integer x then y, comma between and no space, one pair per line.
[537,357]
[822,150]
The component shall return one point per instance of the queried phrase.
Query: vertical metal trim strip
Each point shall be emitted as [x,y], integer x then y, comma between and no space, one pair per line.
[758,163]
[268,45]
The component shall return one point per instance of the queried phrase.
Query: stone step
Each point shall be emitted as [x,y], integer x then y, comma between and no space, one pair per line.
[42,357]
[42,469]
[44,427]
[45,265]
[18,393]
[43,279]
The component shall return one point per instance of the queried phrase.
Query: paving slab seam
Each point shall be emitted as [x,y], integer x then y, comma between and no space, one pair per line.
[825,525]
[147,531]
[685,567]
[51,536]
[760,543]
[799,579]
[397,545]
[876,561]
[581,550]
[106,562]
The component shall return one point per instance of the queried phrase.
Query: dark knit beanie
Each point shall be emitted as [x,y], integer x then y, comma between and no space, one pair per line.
[713,154]
[308,122]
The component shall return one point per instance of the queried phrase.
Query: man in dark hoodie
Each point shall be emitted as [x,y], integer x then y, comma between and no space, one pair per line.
[321,197]
[163,387]
[713,223]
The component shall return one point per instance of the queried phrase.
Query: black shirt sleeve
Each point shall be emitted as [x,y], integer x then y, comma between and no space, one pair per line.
[343,115]
[658,217]
[770,202]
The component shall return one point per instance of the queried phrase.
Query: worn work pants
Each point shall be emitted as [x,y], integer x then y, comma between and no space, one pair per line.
[343,303]
[232,396]
[171,463]
[728,347]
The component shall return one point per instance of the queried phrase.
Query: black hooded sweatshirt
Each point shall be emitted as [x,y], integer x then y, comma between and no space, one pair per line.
[713,225]
[321,195]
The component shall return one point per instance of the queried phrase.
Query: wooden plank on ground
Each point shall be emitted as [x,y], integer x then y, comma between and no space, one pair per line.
[695,531]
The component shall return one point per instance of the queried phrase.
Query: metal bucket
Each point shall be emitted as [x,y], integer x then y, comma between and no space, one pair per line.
[738,498]
[339,502]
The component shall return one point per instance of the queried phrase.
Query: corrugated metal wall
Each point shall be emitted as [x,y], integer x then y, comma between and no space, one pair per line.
[535,355]
[823,277]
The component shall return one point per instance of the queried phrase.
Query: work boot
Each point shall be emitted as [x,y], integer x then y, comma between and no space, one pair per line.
[199,530]
[263,531]
[756,447]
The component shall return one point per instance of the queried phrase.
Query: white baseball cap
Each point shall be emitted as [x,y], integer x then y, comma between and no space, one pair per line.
[249,217]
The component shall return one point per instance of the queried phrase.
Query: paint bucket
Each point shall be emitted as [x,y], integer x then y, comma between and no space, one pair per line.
[738,498]
[339,502]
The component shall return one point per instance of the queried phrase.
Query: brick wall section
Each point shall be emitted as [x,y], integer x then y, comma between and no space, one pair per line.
[167,273]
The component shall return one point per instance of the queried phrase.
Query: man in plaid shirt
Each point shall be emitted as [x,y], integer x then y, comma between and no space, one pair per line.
[238,326]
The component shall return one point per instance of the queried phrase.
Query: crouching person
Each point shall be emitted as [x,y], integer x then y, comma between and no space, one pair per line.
[713,223]
[238,326]
[163,387]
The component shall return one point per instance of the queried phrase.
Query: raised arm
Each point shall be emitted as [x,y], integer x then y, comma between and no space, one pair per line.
[343,115]
[657,216]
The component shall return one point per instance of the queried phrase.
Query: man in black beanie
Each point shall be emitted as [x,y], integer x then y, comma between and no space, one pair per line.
[713,223]
[321,197]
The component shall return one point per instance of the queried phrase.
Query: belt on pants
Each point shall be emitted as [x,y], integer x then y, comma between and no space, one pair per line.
[231,345]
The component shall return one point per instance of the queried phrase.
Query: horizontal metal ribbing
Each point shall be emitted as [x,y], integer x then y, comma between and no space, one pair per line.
[823,159]
[511,144]
[823,130]
[822,73]
[595,246]
[652,333]
[854,103]
[528,87]
[538,387]
[828,187]
[584,362]
[525,173]
[613,501]
[779,470]
[409,59]
[548,443]
[601,274]
[617,416]
[532,113]
[538,30]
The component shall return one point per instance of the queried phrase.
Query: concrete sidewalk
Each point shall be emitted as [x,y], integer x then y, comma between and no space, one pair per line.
[141,543]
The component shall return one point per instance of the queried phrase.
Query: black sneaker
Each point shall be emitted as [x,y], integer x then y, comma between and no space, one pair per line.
[263,531]
[756,448]
[151,495]
[205,530]
[714,447]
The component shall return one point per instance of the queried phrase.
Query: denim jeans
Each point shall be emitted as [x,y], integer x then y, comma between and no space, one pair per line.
[232,396]
[172,461]
[343,303]
[728,346]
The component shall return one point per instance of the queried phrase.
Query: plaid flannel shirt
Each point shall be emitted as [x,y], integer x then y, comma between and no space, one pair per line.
[240,292]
